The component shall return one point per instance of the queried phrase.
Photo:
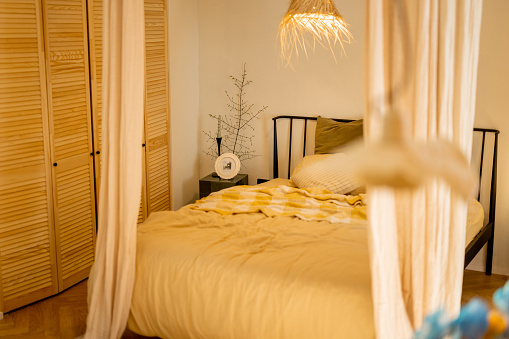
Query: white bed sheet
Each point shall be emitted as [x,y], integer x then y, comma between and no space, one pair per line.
[475,220]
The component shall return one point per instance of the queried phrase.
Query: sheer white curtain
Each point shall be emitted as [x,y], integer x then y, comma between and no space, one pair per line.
[417,237]
[112,277]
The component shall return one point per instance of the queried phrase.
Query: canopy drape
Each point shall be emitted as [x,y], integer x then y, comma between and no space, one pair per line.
[112,276]
[417,236]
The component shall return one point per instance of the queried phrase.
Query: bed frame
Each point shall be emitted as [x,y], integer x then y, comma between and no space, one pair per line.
[485,235]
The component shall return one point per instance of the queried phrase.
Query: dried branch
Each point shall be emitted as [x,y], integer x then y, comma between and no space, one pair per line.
[234,127]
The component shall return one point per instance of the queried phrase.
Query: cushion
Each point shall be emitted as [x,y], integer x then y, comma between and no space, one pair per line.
[329,171]
[330,134]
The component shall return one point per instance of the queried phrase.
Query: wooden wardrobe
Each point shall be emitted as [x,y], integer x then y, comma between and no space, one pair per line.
[50,140]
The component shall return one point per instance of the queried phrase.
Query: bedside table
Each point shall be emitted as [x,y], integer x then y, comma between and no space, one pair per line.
[211,184]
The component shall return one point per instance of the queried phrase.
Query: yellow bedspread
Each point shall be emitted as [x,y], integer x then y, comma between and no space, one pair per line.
[232,274]
[305,204]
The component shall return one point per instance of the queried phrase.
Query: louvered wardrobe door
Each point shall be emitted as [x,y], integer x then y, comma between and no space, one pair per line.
[95,24]
[157,107]
[27,253]
[70,124]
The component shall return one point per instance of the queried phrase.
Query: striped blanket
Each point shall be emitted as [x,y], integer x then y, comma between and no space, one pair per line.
[305,204]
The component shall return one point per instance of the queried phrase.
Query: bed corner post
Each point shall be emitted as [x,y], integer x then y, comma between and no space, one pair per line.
[275,160]
[493,201]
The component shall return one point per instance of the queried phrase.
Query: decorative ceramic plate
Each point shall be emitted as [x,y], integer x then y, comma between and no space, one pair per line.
[227,165]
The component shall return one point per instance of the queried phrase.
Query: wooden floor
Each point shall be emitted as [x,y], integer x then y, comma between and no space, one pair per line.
[64,315]
[61,316]
[479,284]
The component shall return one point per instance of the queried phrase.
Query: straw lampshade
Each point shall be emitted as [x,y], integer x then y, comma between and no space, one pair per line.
[311,21]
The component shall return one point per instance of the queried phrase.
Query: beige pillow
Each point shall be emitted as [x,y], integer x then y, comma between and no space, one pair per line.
[327,171]
[309,160]
[330,134]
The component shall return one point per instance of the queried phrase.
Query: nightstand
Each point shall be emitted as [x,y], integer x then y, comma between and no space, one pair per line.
[211,184]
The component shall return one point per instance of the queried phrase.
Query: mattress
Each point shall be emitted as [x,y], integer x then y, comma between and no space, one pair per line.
[206,275]
[475,220]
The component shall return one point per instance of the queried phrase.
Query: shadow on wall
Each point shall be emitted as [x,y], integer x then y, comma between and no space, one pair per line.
[186,186]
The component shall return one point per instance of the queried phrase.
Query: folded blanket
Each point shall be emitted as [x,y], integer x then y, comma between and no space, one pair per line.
[305,204]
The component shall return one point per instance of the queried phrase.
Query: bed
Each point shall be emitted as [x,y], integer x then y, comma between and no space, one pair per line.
[268,261]
[479,233]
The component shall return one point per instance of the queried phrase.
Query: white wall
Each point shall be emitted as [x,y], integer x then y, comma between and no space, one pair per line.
[491,112]
[184,93]
[233,32]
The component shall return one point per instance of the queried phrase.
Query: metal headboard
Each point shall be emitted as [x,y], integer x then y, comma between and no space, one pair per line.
[486,235]
[292,117]
[488,231]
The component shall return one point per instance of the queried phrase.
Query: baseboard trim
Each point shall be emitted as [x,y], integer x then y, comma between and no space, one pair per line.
[474,267]
[482,268]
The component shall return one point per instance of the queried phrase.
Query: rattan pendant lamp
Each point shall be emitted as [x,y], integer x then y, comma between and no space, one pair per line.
[308,22]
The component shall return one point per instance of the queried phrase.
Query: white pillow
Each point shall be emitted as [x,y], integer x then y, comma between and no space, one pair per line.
[327,171]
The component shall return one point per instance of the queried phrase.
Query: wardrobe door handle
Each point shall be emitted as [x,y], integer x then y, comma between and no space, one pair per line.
[98,152]
[55,164]
[92,154]
[142,145]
